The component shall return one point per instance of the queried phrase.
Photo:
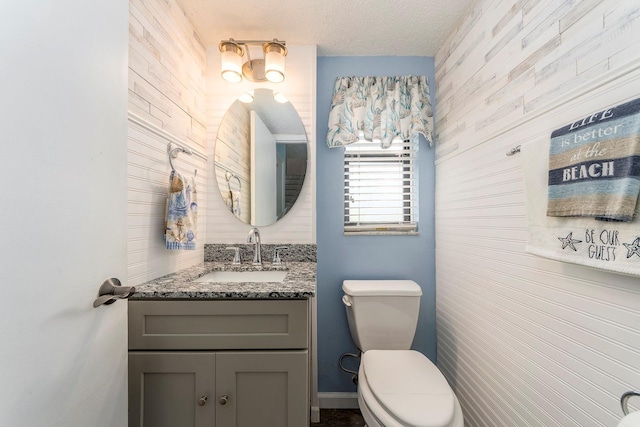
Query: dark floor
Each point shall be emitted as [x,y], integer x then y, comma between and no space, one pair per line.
[340,417]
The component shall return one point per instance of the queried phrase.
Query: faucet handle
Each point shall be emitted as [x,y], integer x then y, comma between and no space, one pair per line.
[276,254]
[236,256]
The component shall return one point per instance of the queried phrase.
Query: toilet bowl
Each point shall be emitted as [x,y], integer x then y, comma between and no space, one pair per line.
[397,387]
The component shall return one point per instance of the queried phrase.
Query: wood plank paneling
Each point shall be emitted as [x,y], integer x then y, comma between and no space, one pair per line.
[523,340]
[167,65]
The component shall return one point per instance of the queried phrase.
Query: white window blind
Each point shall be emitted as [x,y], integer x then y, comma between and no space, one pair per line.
[380,188]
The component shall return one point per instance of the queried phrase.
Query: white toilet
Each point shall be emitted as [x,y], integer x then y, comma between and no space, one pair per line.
[397,387]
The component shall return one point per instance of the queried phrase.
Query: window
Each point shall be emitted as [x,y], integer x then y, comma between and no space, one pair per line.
[380,188]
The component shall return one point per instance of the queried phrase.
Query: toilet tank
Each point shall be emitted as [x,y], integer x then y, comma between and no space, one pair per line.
[382,314]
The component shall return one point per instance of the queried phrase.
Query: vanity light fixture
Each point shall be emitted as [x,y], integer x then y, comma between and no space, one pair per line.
[271,68]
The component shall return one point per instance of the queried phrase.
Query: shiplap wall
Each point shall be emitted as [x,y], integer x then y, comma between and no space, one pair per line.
[527,341]
[298,225]
[167,95]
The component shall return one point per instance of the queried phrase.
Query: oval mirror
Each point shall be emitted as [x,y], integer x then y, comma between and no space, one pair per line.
[260,158]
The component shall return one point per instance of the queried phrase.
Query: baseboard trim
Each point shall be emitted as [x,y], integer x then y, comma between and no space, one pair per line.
[335,400]
[315,414]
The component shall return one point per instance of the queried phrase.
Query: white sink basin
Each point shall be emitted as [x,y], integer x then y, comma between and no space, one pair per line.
[243,276]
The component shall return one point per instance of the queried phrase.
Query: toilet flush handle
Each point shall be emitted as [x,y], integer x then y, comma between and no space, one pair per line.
[346,300]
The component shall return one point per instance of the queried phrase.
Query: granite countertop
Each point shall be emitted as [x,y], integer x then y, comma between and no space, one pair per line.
[300,283]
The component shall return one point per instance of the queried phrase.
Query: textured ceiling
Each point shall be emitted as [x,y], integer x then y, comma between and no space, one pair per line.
[337,27]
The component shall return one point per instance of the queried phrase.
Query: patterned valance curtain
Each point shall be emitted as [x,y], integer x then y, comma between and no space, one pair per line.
[381,108]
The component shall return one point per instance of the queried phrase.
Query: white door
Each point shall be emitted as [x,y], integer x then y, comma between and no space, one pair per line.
[263,173]
[63,113]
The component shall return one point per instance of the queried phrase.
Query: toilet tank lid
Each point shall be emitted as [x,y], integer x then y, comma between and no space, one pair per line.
[381,287]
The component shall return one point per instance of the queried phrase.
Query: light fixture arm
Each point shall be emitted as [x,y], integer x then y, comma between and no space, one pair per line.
[256,42]
[249,61]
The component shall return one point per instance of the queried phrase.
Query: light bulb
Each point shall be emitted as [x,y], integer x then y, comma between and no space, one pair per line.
[246,97]
[279,97]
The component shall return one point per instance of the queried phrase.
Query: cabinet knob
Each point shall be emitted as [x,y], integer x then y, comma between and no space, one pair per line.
[224,399]
[203,400]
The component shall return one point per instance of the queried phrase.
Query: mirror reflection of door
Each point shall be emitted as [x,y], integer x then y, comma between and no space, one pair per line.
[281,178]
[264,188]
[245,169]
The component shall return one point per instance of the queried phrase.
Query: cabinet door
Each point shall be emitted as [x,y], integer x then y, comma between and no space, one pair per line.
[266,389]
[165,389]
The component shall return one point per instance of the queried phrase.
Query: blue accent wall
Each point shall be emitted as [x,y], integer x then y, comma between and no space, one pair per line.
[343,257]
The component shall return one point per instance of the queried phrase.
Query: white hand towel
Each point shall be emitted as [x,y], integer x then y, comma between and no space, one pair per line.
[182,212]
[579,240]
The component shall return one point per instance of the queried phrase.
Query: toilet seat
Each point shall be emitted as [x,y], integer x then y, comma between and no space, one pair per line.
[405,386]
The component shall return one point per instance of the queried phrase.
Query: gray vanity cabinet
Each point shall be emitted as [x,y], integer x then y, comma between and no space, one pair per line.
[165,389]
[218,363]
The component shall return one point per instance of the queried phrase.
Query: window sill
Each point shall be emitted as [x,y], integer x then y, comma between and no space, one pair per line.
[381,233]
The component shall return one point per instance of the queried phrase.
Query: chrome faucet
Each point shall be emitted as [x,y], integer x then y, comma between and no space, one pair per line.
[254,237]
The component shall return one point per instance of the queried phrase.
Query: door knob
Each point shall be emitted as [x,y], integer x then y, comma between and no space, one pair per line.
[224,399]
[112,290]
[203,400]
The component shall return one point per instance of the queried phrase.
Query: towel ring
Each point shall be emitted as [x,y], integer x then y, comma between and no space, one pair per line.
[229,175]
[173,153]
[624,401]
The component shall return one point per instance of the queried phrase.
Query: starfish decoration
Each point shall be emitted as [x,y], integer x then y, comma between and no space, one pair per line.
[633,248]
[569,241]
